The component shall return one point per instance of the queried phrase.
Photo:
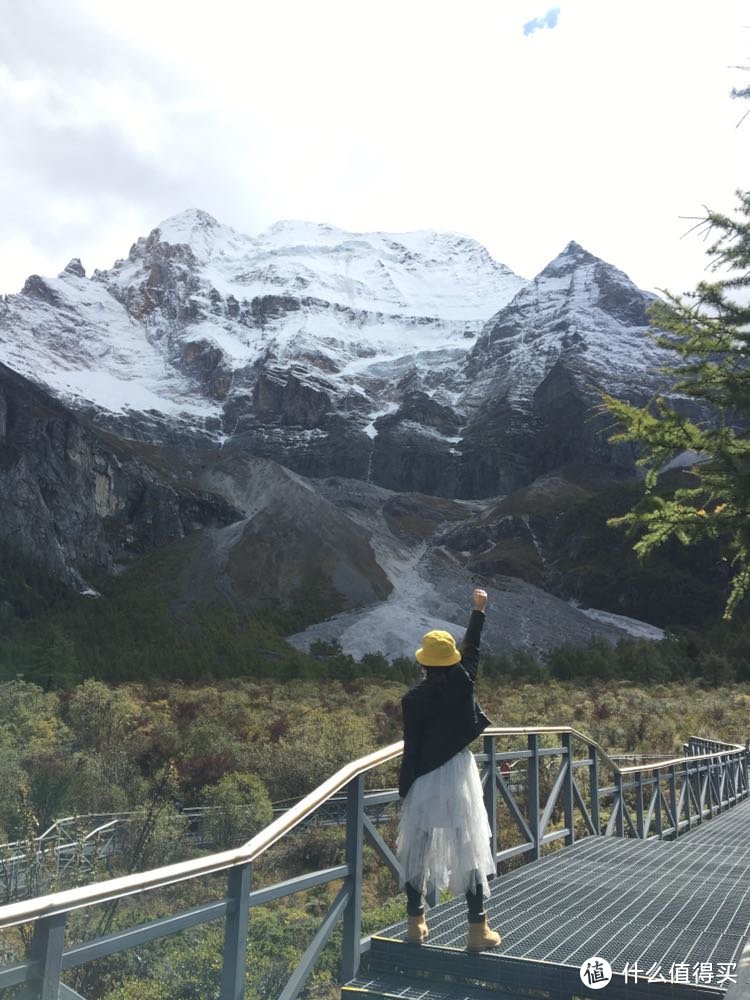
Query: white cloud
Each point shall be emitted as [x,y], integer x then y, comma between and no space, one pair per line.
[371,116]
[548,20]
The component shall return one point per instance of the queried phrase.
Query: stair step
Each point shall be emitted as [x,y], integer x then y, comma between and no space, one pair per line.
[416,988]
[389,957]
[455,973]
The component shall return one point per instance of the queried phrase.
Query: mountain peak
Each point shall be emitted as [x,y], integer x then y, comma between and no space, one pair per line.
[186,226]
[567,261]
[74,268]
[195,229]
[573,255]
[190,217]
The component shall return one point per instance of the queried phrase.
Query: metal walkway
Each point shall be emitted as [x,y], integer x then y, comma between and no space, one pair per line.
[622,890]
[674,915]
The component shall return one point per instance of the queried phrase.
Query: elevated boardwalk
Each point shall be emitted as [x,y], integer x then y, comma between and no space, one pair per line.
[642,866]
[676,913]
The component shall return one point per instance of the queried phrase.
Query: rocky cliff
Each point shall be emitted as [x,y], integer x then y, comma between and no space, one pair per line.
[79,500]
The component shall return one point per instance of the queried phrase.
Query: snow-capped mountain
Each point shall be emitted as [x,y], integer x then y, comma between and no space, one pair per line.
[413,360]
[578,310]
[406,382]
[531,383]
[186,321]
[525,398]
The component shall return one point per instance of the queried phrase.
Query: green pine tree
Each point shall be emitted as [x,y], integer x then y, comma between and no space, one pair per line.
[709,332]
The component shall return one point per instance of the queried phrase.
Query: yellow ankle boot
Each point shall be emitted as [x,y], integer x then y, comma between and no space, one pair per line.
[416,929]
[481,937]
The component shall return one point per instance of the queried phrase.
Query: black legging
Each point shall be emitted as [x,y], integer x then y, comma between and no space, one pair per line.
[474,901]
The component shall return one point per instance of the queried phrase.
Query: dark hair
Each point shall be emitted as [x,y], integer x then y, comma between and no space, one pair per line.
[436,676]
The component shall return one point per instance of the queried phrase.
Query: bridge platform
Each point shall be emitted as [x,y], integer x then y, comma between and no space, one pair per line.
[670,917]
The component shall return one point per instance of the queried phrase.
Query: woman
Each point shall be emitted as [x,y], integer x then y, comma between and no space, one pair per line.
[444,835]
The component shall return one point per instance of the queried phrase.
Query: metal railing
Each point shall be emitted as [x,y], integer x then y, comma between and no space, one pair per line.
[561,799]
[76,845]
[68,849]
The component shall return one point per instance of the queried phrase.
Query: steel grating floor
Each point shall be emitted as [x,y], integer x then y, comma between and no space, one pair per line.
[646,903]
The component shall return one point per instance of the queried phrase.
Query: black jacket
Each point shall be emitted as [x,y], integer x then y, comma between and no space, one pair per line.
[442,716]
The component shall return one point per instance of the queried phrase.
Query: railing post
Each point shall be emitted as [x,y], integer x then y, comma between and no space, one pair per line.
[715,768]
[235,933]
[639,805]
[687,786]
[355,840]
[46,953]
[490,790]
[567,742]
[620,805]
[673,800]
[657,801]
[594,789]
[719,772]
[532,785]
[695,785]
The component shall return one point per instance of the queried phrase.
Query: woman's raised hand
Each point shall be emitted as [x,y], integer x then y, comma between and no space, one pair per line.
[480,599]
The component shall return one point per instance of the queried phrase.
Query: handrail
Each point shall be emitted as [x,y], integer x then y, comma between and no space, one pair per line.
[107,822]
[527,730]
[530,730]
[60,827]
[100,829]
[674,761]
[127,885]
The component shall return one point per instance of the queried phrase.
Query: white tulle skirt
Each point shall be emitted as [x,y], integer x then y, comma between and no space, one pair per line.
[444,834]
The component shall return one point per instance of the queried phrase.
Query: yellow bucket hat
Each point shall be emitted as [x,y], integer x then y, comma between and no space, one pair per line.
[438,649]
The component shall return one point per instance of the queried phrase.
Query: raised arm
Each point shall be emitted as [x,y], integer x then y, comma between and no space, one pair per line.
[470,644]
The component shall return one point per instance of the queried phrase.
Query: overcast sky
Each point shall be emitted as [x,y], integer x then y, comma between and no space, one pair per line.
[521,124]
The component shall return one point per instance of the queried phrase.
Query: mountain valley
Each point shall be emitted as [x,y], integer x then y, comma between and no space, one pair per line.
[367,424]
